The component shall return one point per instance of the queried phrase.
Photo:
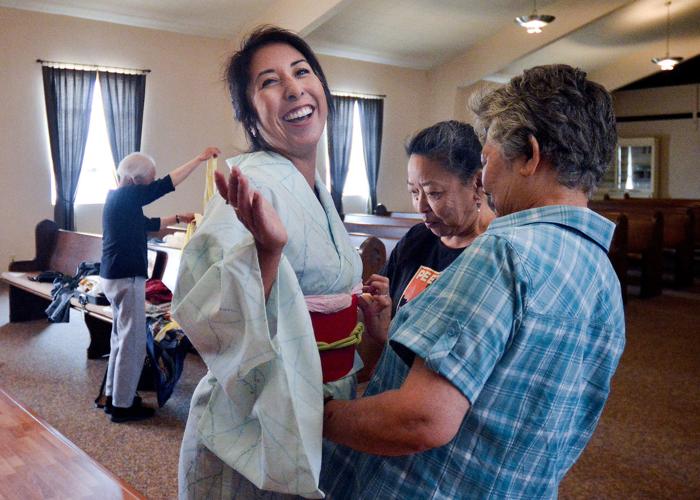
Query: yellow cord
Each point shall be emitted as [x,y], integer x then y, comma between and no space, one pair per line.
[209,191]
[209,185]
[354,338]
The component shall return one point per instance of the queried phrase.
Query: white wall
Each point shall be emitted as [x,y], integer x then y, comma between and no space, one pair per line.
[679,155]
[186,109]
[405,112]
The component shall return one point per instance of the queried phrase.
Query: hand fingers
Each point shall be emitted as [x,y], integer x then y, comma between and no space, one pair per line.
[244,205]
[376,287]
[382,301]
[364,302]
[233,187]
[378,277]
[209,153]
[221,185]
[257,207]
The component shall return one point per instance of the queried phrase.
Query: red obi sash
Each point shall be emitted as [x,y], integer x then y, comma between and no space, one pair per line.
[337,334]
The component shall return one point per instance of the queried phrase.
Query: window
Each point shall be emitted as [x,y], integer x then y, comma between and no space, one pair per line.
[356,189]
[98,172]
[356,181]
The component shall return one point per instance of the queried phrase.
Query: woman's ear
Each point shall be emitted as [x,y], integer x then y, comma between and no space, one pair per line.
[529,166]
[478,185]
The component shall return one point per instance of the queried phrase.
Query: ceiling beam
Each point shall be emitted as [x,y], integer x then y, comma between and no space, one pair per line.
[632,67]
[508,44]
[300,16]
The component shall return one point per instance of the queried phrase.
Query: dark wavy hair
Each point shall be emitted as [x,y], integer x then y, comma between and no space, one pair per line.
[571,117]
[237,75]
[451,143]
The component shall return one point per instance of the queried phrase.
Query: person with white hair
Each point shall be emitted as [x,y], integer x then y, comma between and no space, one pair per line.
[123,270]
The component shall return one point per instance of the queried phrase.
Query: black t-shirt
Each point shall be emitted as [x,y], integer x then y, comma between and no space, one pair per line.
[416,261]
[124,226]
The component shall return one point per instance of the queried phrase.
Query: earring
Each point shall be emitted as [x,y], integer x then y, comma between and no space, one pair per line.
[253,132]
[478,206]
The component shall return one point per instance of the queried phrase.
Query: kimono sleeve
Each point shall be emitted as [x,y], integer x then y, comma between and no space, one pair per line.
[461,325]
[264,417]
[219,296]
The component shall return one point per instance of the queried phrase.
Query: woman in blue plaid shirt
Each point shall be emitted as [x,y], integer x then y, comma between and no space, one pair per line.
[493,379]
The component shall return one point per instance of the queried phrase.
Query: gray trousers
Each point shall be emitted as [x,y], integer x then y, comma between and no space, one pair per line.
[128,341]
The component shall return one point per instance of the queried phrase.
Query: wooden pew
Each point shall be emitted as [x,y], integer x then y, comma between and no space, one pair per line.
[372,251]
[63,251]
[644,246]
[406,215]
[692,207]
[382,220]
[38,462]
[619,248]
[644,237]
[678,231]
[379,230]
[637,244]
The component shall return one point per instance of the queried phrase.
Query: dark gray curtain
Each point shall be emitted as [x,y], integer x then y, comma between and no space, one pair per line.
[371,117]
[122,98]
[68,96]
[339,143]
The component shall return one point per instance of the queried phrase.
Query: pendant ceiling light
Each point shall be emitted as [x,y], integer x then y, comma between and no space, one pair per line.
[667,63]
[534,22]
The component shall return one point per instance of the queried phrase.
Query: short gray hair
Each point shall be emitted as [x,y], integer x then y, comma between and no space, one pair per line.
[571,117]
[136,165]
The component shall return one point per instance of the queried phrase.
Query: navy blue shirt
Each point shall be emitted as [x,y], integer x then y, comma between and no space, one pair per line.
[124,226]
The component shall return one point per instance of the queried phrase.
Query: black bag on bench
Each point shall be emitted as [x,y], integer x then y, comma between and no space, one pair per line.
[47,276]
[63,290]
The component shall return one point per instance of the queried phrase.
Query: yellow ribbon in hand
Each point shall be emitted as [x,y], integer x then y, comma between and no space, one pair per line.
[209,191]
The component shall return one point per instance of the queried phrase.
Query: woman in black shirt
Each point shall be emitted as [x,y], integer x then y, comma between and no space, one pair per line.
[444,180]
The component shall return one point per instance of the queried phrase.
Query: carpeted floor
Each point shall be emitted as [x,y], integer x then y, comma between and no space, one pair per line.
[45,367]
[646,446]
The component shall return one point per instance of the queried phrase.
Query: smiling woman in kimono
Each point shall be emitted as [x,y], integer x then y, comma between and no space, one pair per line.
[255,420]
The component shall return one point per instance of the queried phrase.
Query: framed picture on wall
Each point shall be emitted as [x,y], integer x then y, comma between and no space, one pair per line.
[634,172]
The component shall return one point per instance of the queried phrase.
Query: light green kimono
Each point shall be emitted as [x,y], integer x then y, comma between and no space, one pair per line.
[259,410]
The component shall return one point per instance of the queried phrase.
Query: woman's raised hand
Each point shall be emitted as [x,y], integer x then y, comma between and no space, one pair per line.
[254,212]
[210,152]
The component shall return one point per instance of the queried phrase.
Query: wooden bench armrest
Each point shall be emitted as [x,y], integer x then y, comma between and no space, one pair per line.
[45,235]
[160,264]
[24,266]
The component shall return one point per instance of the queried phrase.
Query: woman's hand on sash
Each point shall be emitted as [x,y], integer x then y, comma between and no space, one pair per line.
[375,304]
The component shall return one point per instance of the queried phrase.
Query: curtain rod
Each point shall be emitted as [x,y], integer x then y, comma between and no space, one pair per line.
[342,93]
[110,69]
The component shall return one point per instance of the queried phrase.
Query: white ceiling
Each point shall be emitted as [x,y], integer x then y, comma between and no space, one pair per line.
[417,34]
[427,34]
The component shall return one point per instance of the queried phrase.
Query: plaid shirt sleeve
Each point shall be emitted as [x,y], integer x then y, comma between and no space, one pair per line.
[461,328]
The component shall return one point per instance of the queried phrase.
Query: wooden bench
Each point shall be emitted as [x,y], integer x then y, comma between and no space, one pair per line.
[691,206]
[639,248]
[63,251]
[406,215]
[378,230]
[619,249]
[372,252]
[677,237]
[382,220]
[38,462]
